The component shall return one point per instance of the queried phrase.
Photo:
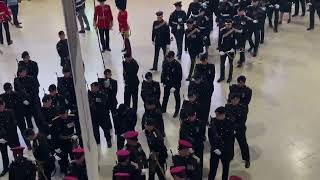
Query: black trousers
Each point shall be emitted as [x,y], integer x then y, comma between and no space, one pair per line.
[297,6]
[15,11]
[241,45]
[157,171]
[242,141]
[5,157]
[179,40]
[198,151]
[255,30]
[6,28]
[104,38]
[157,48]
[214,162]
[166,98]
[313,10]
[261,30]
[120,141]
[66,151]
[193,57]
[270,12]
[22,126]
[48,168]
[222,65]
[131,92]
[101,122]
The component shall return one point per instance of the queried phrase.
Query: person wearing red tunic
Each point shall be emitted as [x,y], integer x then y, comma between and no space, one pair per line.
[5,17]
[103,21]
[124,29]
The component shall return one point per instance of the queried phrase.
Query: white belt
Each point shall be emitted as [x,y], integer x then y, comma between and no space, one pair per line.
[225,15]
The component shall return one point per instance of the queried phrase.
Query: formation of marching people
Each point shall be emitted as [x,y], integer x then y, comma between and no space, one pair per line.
[56,116]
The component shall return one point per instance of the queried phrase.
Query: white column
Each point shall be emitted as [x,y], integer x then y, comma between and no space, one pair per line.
[89,143]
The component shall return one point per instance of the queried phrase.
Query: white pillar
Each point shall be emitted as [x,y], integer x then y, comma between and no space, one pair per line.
[89,143]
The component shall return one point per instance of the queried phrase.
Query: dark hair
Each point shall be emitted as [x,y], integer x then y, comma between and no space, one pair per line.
[107,71]
[170,54]
[21,69]
[61,33]
[220,110]
[241,78]
[52,88]
[24,54]
[29,132]
[7,86]
[203,57]
[95,84]
[65,70]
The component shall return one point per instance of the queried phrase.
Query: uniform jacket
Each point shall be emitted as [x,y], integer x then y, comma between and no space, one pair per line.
[110,88]
[160,33]
[156,144]
[193,41]
[237,114]
[191,131]
[125,120]
[22,169]
[207,73]
[245,92]
[226,41]
[103,17]
[62,49]
[194,9]
[171,74]
[177,21]
[4,12]
[27,87]
[156,116]
[130,73]
[134,172]
[150,89]
[31,66]
[8,128]
[137,155]
[13,101]
[191,164]
[80,4]
[123,21]
[65,87]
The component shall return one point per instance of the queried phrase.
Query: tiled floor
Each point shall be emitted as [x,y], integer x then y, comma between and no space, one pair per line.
[284,117]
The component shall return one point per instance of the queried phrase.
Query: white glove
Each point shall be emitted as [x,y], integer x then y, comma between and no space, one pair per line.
[271,6]
[168,48]
[309,4]
[144,171]
[135,164]
[221,53]
[217,151]
[25,102]
[2,141]
[57,157]
[232,51]
[74,137]
[49,136]
[263,8]
[58,151]
[277,6]
[255,21]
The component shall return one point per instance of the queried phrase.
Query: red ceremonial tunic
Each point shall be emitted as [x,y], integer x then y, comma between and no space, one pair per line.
[4,12]
[123,21]
[103,17]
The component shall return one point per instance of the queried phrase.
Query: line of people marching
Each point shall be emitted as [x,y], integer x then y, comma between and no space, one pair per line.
[59,136]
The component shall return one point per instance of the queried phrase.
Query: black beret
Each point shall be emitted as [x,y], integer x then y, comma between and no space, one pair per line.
[159,13]
[24,54]
[203,56]
[235,95]
[242,78]
[228,21]
[220,110]
[178,3]
[62,110]
[190,21]
[52,88]
[7,86]
[148,75]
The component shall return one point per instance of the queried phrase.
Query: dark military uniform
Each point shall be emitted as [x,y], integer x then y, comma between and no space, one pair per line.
[100,108]
[63,51]
[245,95]
[65,87]
[315,6]
[241,27]
[121,4]
[48,114]
[221,137]
[194,45]
[126,120]
[158,154]
[130,76]
[28,88]
[191,131]
[194,9]
[171,77]
[177,21]
[191,163]
[8,132]
[237,113]
[134,172]
[156,115]
[59,101]
[110,89]
[203,24]
[161,39]
[137,155]
[42,154]
[272,6]
[226,46]
[225,11]
[31,67]
[150,90]
[188,105]
[22,169]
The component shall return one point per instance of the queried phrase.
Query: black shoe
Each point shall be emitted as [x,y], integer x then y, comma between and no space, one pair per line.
[188,79]
[10,42]
[250,49]
[109,144]
[82,31]
[220,80]
[103,50]
[270,26]
[4,172]
[108,49]
[289,21]
[302,14]
[1,42]
[294,15]
[275,30]
[175,114]
[163,110]
[261,42]
[280,22]
[153,69]
[310,28]
[87,28]
[254,54]
[247,164]
[229,80]
[123,50]
[239,65]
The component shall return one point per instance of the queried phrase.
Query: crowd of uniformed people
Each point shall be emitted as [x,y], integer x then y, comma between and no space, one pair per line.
[59,135]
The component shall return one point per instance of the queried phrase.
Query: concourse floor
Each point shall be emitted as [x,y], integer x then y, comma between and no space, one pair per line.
[283,121]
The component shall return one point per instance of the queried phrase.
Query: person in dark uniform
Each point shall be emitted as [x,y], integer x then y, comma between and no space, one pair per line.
[221,137]
[194,9]
[137,154]
[109,86]
[237,113]
[8,135]
[225,12]
[226,46]
[171,77]
[42,154]
[202,22]
[177,21]
[186,159]
[273,8]
[100,113]
[285,7]
[244,91]
[126,120]
[178,173]
[65,132]
[130,77]
[63,50]
[160,38]
[193,44]
[314,6]
[190,130]
[21,168]
[78,165]
[158,151]
[297,5]
[153,112]
[191,103]
[257,17]
[28,87]
[14,101]
[150,89]
[124,165]
[241,28]
[65,87]
[29,65]
[58,100]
